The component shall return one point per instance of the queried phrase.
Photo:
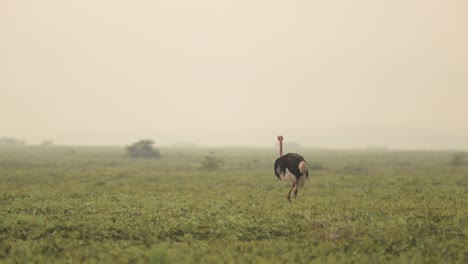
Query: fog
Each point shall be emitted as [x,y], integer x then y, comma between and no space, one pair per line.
[327,74]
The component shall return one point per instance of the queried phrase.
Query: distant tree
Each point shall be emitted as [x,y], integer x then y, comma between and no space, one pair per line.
[9,141]
[142,149]
[46,143]
[211,162]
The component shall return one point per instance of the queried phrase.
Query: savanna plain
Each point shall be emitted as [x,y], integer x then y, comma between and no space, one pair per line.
[65,204]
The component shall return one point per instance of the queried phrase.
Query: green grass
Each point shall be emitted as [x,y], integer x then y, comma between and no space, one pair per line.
[84,204]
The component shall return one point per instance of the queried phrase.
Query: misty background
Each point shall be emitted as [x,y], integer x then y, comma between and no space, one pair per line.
[332,74]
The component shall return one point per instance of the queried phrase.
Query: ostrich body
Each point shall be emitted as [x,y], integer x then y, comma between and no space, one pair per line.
[291,167]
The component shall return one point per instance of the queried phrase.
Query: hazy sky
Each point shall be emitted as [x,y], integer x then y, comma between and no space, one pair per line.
[341,73]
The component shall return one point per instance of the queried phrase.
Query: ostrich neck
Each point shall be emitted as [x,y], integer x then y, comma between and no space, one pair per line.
[281,148]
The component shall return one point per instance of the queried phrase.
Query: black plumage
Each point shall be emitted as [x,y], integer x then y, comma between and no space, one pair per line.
[289,161]
[292,167]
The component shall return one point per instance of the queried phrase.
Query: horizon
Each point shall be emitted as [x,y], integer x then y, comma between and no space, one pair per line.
[293,146]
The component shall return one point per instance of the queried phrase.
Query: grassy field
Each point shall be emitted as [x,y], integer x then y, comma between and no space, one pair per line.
[93,205]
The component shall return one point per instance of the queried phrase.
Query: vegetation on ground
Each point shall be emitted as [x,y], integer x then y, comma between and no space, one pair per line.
[94,205]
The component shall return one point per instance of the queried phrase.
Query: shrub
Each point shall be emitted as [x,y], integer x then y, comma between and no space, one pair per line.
[211,162]
[142,149]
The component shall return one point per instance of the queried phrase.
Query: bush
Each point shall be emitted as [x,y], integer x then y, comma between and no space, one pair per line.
[142,149]
[211,162]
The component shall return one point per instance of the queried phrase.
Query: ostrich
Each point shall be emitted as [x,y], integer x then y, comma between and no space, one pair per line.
[291,167]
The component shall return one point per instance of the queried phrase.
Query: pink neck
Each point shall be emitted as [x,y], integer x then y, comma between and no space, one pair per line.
[280,139]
